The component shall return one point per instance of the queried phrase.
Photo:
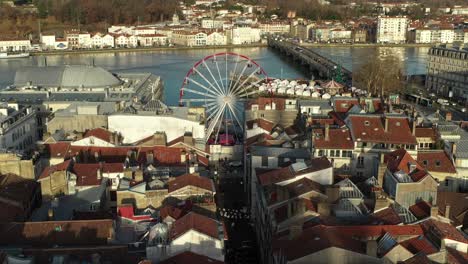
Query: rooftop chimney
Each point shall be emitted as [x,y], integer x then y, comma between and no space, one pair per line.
[454,148]
[448,116]
[386,124]
[447,211]
[434,211]
[413,130]
[327,132]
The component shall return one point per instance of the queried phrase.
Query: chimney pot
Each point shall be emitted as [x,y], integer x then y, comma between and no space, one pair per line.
[434,211]
[327,132]
[448,116]
[447,211]
[386,124]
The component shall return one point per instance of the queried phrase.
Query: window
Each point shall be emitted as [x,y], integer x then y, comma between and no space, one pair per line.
[366,123]
[320,153]
[360,161]
[425,162]
[264,161]
[332,153]
[437,163]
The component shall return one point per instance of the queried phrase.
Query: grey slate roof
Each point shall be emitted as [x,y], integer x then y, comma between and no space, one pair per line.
[69,76]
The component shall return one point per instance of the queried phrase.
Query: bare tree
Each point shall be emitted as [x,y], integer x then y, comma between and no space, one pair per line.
[380,76]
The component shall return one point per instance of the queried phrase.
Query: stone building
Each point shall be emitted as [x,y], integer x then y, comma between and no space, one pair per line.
[446,72]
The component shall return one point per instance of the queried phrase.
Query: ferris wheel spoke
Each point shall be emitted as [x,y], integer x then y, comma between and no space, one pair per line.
[218,91]
[214,122]
[227,78]
[203,100]
[203,87]
[233,112]
[238,79]
[235,70]
[246,79]
[249,93]
[212,76]
[199,93]
[219,74]
[247,88]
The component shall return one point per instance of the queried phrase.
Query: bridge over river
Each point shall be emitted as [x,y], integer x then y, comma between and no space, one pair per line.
[321,66]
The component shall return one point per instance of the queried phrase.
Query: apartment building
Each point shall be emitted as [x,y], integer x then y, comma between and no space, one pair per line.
[392,30]
[446,72]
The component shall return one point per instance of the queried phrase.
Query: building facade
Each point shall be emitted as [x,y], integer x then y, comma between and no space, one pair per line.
[392,29]
[446,72]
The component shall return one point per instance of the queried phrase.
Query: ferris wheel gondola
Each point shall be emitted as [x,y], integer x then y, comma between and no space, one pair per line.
[219,83]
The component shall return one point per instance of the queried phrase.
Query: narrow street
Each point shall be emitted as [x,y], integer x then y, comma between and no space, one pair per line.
[233,210]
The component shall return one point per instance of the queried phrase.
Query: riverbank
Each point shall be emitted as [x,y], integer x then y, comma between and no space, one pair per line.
[365,45]
[143,49]
[257,45]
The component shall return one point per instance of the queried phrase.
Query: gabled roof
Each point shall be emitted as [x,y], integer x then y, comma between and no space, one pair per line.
[262,102]
[458,205]
[342,105]
[100,133]
[51,169]
[339,138]
[190,180]
[190,257]
[425,132]
[387,216]
[436,161]
[197,222]
[371,128]
[419,244]
[267,177]
[87,174]
[315,239]
[172,211]
[421,209]
[443,230]
[263,123]
[399,161]
[59,233]
[58,150]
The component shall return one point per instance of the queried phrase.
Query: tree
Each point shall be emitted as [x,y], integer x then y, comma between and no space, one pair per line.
[380,76]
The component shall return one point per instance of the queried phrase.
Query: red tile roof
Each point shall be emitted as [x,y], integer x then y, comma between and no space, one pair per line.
[190,257]
[100,133]
[458,205]
[425,132]
[443,230]
[266,125]
[456,257]
[172,211]
[267,177]
[386,216]
[197,222]
[51,169]
[342,105]
[190,180]
[161,155]
[371,128]
[419,244]
[58,150]
[112,167]
[59,233]
[338,139]
[421,209]
[315,239]
[86,174]
[436,161]
[399,160]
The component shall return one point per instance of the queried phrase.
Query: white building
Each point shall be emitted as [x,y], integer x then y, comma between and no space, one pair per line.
[120,30]
[189,38]
[209,23]
[216,39]
[84,40]
[144,31]
[15,45]
[340,35]
[126,41]
[274,28]
[152,40]
[243,35]
[435,35]
[19,130]
[47,41]
[392,29]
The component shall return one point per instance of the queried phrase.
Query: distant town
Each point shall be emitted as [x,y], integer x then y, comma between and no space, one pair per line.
[356,165]
[206,24]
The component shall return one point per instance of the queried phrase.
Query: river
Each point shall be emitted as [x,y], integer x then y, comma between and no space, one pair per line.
[172,65]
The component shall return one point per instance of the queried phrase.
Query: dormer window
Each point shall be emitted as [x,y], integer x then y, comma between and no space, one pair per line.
[366,123]
[425,162]
[398,124]
[437,163]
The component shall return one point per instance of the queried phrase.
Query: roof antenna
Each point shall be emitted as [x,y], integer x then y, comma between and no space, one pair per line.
[45,61]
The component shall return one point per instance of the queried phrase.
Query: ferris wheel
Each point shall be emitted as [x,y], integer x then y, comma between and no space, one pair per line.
[219,83]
